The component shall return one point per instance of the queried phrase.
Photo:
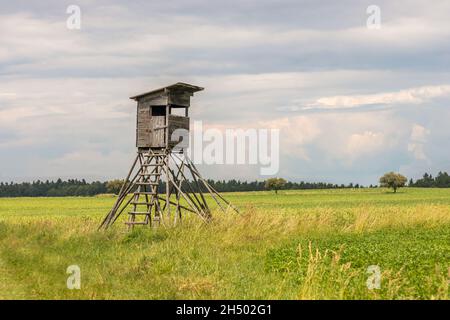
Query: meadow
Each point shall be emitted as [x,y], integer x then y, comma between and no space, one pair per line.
[311,244]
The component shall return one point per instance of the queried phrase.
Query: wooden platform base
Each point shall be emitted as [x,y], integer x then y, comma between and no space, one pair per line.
[152,201]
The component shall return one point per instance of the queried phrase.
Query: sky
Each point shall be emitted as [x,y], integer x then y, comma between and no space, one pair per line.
[351,102]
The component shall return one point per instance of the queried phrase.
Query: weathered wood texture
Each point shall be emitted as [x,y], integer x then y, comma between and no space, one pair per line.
[144,126]
[154,128]
[155,99]
[158,137]
[177,87]
[175,123]
[179,98]
[157,157]
[151,130]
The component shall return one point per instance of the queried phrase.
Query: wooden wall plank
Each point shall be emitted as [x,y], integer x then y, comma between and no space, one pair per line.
[158,133]
[143,130]
[177,122]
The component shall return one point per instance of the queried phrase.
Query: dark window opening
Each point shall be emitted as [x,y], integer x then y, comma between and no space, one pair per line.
[158,111]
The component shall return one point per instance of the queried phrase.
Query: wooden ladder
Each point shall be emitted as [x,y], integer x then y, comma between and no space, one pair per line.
[146,193]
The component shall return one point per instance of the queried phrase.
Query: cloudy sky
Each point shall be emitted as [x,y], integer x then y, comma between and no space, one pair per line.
[351,102]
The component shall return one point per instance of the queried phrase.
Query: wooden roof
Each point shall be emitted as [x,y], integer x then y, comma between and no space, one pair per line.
[179,86]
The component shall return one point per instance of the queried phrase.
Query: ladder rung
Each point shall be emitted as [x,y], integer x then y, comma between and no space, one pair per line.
[141,203]
[133,223]
[145,192]
[139,213]
[147,183]
[150,174]
[152,164]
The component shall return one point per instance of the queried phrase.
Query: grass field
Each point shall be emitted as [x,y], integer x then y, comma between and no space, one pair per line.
[296,245]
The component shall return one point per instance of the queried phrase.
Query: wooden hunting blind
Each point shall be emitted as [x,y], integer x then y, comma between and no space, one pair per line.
[154,113]
[159,157]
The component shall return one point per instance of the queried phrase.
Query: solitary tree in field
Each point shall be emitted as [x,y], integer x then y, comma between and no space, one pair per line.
[393,180]
[275,184]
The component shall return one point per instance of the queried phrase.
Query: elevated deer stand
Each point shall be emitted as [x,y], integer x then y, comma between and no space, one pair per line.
[159,158]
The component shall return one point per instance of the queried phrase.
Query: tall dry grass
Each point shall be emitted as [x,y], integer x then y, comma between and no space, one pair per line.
[226,259]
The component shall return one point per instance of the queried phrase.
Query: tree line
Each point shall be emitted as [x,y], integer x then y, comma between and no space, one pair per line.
[442,180]
[75,187]
[58,188]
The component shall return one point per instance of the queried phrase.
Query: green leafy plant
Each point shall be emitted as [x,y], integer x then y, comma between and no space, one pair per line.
[275,184]
[393,180]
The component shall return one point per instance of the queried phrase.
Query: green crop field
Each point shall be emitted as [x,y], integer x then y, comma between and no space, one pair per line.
[294,245]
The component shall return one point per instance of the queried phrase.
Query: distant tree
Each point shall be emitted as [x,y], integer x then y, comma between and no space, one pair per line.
[114,186]
[427,181]
[442,180]
[275,184]
[393,180]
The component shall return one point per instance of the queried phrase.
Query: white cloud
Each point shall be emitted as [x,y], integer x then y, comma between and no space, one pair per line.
[408,96]
[340,138]
[68,91]
[419,133]
[417,142]
[7,95]
[296,134]
[362,144]
[119,37]
[93,163]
